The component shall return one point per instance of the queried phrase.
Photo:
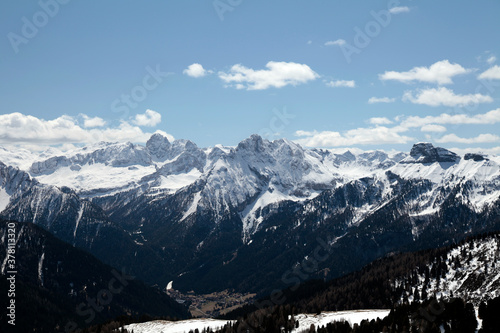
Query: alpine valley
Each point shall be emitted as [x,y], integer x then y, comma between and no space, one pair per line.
[252,218]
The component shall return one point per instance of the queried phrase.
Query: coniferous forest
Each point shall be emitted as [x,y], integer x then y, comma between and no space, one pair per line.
[373,288]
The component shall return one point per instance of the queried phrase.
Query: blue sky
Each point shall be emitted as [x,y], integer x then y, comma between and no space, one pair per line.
[366,74]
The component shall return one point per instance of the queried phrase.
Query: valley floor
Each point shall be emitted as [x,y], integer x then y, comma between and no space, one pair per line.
[211,305]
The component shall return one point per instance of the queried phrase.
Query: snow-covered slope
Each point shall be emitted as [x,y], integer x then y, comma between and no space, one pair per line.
[305,322]
[470,271]
[12,181]
[60,209]
[352,317]
[182,326]
[100,166]
[53,278]
[478,175]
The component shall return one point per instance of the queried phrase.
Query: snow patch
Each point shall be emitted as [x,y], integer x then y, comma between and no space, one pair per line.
[78,218]
[192,208]
[4,199]
[96,176]
[251,215]
[177,181]
[40,269]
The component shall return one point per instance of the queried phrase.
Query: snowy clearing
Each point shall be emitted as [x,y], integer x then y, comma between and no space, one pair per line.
[305,321]
[353,317]
[182,326]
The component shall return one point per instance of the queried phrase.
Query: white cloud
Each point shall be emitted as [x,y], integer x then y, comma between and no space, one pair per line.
[338,42]
[374,100]
[149,118]
[359,136]
[399,10]
[277,75]
[196,70]
[440,72]
[92,122]
[341,83]
[491,59]
[481,138]
[19,129]
[489,151]
[379,121]
[433,128]
[444,96]
[309,42]
[492,73]
[491,117]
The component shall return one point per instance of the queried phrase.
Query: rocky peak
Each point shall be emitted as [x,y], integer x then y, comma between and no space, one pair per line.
[425,152]
[253,143]
[158,145]
[377,155]
[475,157]
[345,157]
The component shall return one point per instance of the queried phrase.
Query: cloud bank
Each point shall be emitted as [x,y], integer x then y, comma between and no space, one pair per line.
[20,129]
[381,133]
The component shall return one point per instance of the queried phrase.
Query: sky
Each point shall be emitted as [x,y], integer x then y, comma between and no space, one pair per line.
[330,74]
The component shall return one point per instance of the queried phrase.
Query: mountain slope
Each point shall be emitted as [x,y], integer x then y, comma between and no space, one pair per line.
[468,270]
[58,285]
[73,219]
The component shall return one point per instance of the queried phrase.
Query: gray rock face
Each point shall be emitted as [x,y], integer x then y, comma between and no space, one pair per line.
[427,153]
[158,146]
[475,157]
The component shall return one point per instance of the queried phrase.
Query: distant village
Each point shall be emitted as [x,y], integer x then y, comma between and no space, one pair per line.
[210,305]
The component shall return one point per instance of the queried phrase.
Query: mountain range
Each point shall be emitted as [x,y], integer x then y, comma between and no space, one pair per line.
[255,217]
